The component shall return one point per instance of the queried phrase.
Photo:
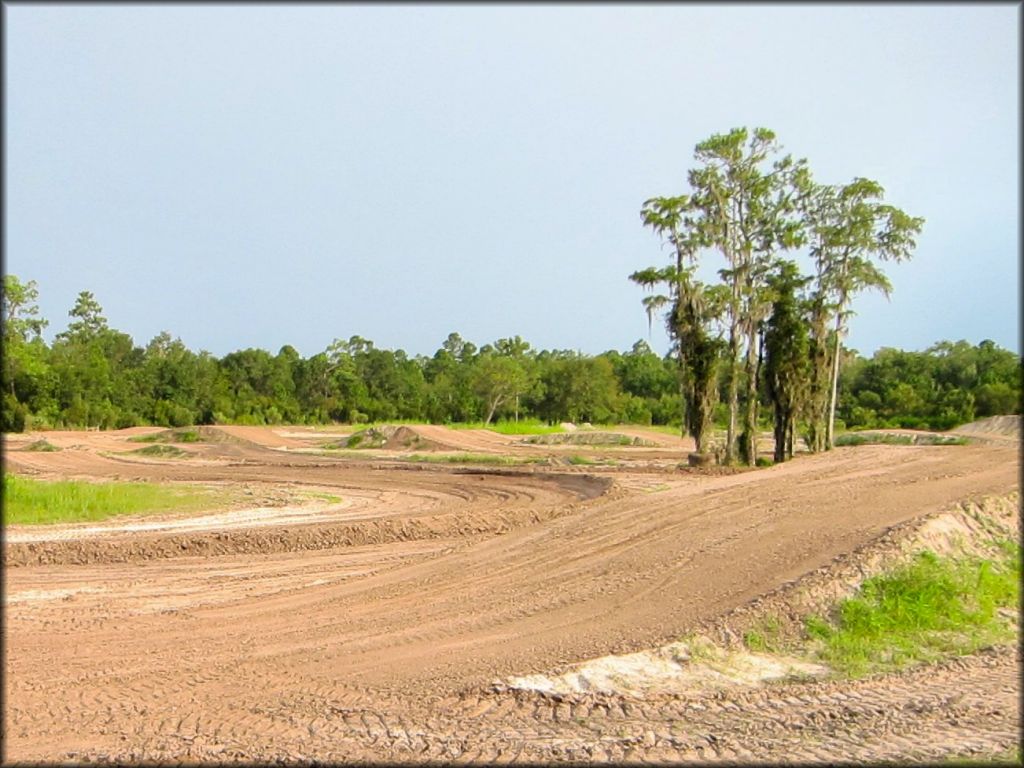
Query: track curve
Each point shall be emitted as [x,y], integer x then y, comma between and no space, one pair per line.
[203,647]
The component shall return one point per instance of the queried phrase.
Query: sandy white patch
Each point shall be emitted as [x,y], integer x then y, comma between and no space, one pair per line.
[681,667]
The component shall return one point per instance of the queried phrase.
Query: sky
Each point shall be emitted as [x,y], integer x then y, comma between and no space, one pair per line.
[255,176]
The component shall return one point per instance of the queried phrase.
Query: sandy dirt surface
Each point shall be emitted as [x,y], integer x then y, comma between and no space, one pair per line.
[380,626]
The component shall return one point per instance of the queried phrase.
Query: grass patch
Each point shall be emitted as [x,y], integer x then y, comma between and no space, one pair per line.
[927,610]
[29,502]
[171,436]
[878,438]
[1010,757]
[161,451]
[932,608]
[583,461]
[521,427]
[41,445]
[329,498]
[472,458]
[599,439]
[665,429]
[765,636]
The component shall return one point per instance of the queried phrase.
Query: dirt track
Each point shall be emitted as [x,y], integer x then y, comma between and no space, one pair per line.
[375,627]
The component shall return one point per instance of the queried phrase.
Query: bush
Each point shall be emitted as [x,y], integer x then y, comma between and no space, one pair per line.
[14,415]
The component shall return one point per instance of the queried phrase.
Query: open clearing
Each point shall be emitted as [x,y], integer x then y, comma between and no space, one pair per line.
[355,606]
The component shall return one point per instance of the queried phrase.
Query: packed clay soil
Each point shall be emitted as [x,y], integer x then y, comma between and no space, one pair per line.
[358,606]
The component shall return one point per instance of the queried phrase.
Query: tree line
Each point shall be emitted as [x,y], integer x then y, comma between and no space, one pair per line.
[94,376]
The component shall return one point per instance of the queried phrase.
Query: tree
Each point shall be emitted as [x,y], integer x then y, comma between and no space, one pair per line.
[498,380]
[787,360]
[24,364]
[88,320]
[745,204]
[520,351]
[850,228]
[692,309]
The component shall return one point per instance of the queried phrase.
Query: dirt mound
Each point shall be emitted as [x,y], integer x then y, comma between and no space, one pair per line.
[208,434]
[1006,426]
[387,437]
[40,445]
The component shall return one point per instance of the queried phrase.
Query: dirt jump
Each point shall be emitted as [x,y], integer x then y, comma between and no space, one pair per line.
[367,605]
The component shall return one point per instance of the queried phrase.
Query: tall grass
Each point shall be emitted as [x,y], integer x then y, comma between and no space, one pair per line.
[29,502]
[931,608]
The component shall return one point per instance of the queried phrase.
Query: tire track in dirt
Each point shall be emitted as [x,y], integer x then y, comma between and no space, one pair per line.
[378,661]
[967,705]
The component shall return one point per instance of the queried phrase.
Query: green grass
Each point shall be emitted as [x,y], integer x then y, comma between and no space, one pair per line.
[666,429]
[877,438]
[174,436]
[28,501]
[1010,757]
[161,451]
[591,438]
[472,458]
[330,498]
[583,461]
[521,427]
[765,636]
[929,609]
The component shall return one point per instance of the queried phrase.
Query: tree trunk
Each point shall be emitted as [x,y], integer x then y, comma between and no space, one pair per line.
[734,354]
[749,448]
[683,426]
[490,413]
[780,434]
[830,431]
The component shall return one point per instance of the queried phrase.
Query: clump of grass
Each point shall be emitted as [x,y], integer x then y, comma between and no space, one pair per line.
[161,451]
[28,501]
[765,636]
[877,438]
[41,445]
[930,608]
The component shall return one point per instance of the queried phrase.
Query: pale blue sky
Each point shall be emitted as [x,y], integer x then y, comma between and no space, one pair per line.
[267,175]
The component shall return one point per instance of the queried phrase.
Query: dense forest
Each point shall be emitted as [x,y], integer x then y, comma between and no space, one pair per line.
[95,376]
[761,349]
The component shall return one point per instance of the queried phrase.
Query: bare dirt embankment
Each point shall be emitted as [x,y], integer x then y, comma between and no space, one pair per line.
[389,648]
